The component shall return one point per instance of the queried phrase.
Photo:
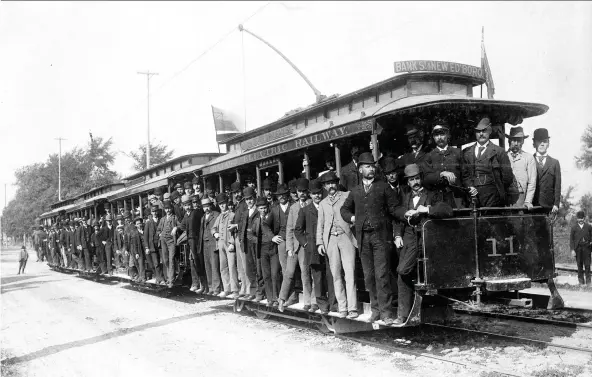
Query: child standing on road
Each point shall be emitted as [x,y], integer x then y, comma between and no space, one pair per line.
[23,256]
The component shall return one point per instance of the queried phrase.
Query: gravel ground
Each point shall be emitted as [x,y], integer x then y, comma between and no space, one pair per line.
[56,324]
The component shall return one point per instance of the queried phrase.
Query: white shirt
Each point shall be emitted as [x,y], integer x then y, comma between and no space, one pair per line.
[581,226]
[416,152]
[544,156]
[477,145]
[316,205]
[442,149]
[284,206]
[251,211]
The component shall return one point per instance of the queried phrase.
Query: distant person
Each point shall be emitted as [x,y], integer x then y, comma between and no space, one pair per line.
[23,257]
[548,188]
[580,242]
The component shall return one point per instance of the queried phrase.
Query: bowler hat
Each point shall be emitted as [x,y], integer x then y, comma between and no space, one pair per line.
[139,218]
[206,201]
[118,217]
[174,195]
[167,204]
[222,198]
[389,165]
[186,199]
[540,134]
[249,178]
[167,196]
[302,184]
[194,198]
[23,247]
[178,185]
[366,158]
[235,186]
[315,186]
[282,189]
[580,215]
[483,124]
[292,185]
[187,185]
[106,205]
[151,196]
[95,222]
[196,180]
[329,177]
[261,201]
[516,132]
[248,192]
[267,184]
[154,208]
[411,170]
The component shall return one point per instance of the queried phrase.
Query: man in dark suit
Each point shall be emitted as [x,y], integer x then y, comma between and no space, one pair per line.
[243,220]
[83,241]
[368,206]
[152,243]
[486,170]
[442,167]
[548,187]
[208,246]
[417,205]
[239,207]
[580,243]
[191,225]
[107,237]
[279,214]
[305,232]
[419,150]
[350,176]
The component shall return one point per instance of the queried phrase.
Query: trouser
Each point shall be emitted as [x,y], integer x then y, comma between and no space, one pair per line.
[405,286]
[228,268]
[22,265]
[212,264]
[77,259]
[287,290]
[196,262]
[516,199]
[342,254]
[407,272]
[124,259]
[152,260]
[256,262]
[87,259]
[108,256]
[241,260]
[117,258]
[141,265]
[488,196]
[38,251]
[324,289]
[283,256]
[50,255]
[100,253]
[376,273]
[270,269]
[64,256]
[167,252]
[583,261]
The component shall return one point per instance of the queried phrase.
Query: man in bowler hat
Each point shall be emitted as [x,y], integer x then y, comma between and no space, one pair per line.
[580,242]
[548,189]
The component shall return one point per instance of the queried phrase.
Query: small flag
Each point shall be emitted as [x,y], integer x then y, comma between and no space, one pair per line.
[486,69]
[225,126]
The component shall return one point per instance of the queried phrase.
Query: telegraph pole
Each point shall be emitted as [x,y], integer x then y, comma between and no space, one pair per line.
[59,139]
[148,75]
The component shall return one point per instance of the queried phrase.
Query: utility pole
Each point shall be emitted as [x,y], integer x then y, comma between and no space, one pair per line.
[59,139]
[148,75]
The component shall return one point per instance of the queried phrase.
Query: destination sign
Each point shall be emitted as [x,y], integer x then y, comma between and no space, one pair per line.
[267,137]
[439,66]
[290,145]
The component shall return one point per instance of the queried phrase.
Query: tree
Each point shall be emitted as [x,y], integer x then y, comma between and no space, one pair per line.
[585,204]
[565,202]
[584,161]
[158,155]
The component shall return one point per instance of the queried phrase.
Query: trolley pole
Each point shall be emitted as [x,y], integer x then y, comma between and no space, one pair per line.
[59,139]
[148,76]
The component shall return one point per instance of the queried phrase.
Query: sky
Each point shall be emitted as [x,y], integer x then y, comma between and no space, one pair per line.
[70,68]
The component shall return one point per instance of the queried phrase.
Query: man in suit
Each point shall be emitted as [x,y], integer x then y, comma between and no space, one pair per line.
[369,206]
[226,239]
[521,192]
[83,244]
[191,224]
[267,187]
[486,169]
[137,249]
[166,229]
[580,243]
[107,237]
[295,254]
[305,231]
[239,207]
[442,167]
[350,176]
[335,239]
[279,214]
[548,188]
[417,205]
[208,246]
[151,243]
[419,151]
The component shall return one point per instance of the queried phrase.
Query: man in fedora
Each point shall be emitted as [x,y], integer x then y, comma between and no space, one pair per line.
[254,285]
[179,189]
[442,167]
[191,226]
[226,248]
[167,227]
[267,187]
[107,239]
[486,170]
[151,243]
[208,246]
[369,206]
[417,204]
[295,253]
[279,216]
[197,185]
[240,206]
[262,229]
[188,188]
[521,192]
[336,240]
[418,153]
[548,188]
[137,249]
[350,176]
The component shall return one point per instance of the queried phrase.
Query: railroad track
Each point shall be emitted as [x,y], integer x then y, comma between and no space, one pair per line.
[545,321]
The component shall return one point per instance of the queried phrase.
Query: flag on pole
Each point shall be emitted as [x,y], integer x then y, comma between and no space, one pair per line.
[224,124]
[485,68]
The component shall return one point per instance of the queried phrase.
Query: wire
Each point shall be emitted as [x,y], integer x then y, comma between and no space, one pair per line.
[244,80]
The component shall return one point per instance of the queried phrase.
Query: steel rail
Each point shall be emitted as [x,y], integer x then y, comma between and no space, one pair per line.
[514,317]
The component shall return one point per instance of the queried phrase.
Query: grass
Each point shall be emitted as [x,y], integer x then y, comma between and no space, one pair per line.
[561,242]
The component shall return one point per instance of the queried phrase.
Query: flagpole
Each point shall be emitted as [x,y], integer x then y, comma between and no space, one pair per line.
[215,131]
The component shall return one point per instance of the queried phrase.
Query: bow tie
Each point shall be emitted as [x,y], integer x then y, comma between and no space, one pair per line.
[417,194]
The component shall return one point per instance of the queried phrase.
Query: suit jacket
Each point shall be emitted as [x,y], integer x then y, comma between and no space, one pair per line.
[178,211]
[581,237]
[410,158]
[350,176]
[220,226]
[151,240]
[63,238]
[495,160]
[206,240]
[191,223]
[262,229]
[70,239]
[292,242]
[82,237]
[245,224]
[107,234]
[275,212]
[118,241]
[330,210]
[436,162]
[377,205]
[136,243]
[548,187]
[305,231]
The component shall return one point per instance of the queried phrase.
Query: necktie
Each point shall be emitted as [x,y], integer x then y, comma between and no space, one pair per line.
[366,188]
[480,152]
[540,158]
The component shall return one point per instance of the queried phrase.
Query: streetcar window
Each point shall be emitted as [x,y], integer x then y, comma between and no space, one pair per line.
[423,87]
[453,88]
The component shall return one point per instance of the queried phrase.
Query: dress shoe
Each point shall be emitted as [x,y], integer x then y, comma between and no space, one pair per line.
[269,304]
[222,294]
[242,295]
[342,315]
[314,308]
[306,307]
[232,296]
[281,305]
[352,315]
[199,291]
[398,321]
[374,317]
[291,302]
[258,299]
[250,297]
[170,285]
[274,304]
[389,321]
[193,288]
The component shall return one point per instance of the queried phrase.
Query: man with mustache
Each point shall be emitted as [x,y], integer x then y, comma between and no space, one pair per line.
[419,151]
[521,192]
[350,176]
[486,170]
